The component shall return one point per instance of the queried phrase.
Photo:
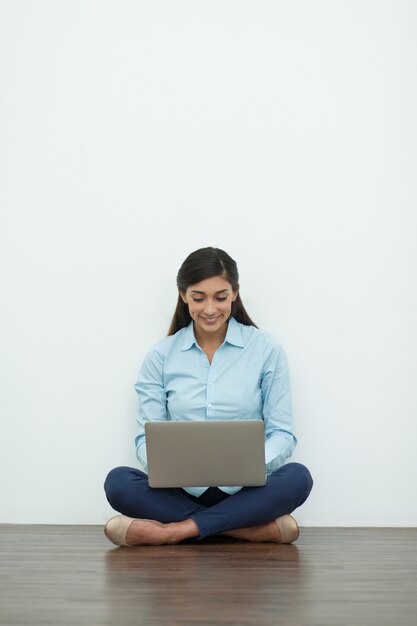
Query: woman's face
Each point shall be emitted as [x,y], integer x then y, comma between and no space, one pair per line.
[210,303]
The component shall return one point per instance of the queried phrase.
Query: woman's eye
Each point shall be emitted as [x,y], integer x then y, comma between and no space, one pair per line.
[201,300]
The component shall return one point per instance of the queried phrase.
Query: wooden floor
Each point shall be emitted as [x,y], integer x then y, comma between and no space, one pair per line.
[54,575]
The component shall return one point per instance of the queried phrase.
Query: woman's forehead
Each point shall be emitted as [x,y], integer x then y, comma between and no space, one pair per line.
[211,285]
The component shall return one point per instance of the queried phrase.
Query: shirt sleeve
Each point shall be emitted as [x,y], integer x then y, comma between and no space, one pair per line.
[152,400]
[277,413]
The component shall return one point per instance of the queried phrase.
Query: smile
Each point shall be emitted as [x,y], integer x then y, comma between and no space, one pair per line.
[211,320]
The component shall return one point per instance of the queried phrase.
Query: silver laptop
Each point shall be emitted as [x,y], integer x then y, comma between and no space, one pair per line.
[208,453]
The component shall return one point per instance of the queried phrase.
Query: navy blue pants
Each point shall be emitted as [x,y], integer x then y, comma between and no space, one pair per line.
[215,511]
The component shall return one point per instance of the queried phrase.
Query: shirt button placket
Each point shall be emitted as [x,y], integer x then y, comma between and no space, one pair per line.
[210,398]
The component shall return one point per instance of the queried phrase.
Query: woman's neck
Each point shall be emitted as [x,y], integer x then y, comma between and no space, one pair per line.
[208,341]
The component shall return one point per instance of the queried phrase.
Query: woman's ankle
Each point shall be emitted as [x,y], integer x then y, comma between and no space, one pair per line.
[178,531]
[263,532]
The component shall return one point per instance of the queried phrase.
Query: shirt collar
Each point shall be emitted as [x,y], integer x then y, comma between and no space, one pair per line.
[233,334]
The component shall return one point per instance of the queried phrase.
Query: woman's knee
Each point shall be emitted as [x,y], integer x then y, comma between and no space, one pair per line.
[301,477]
[115,483]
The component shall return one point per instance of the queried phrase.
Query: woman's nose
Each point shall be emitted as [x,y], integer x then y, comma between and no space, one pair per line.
[210,307]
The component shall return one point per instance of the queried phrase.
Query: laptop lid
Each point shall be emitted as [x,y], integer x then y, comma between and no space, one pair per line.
[208,453]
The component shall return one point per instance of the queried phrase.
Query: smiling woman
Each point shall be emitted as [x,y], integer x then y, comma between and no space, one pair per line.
[210,305]
[215,363]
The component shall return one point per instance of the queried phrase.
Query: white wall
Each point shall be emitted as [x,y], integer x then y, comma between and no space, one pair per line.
[133,133]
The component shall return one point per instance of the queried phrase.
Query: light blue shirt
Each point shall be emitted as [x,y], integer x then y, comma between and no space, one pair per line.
[247,379]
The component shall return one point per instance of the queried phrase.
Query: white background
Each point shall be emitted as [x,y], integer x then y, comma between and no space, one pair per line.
[133,133]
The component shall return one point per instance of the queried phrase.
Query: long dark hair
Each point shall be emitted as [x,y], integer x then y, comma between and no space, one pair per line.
[199,265]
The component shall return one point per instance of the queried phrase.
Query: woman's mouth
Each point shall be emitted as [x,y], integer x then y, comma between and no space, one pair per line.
[211,320]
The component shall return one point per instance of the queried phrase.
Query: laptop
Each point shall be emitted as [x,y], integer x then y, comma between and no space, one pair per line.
[204,453]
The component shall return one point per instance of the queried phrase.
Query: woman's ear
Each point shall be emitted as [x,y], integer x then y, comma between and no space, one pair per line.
[182,294]
[236,292]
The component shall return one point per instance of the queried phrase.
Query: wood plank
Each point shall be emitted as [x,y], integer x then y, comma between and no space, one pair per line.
[59,575]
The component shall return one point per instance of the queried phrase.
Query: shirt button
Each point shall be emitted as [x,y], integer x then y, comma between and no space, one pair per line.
[209,405]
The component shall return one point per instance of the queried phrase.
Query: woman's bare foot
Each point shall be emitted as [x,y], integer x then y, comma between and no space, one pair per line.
[153,533]
[262,533]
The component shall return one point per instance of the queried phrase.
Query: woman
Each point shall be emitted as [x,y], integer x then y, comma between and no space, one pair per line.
[214,363]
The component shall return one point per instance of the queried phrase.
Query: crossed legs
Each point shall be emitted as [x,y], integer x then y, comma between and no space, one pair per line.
[172,515]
